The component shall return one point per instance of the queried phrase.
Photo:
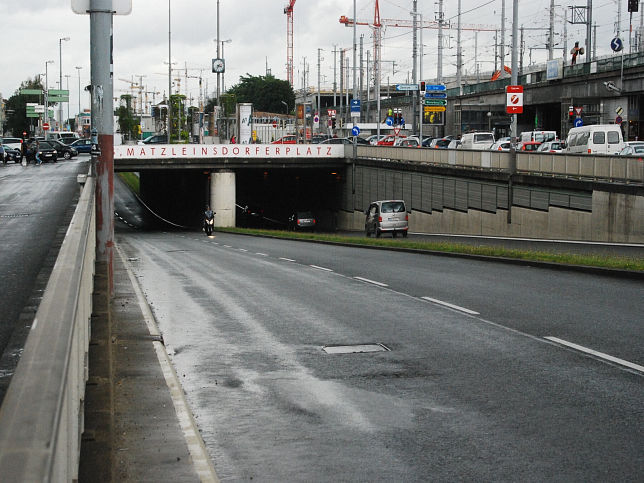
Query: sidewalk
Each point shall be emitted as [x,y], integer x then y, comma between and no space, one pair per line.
[133,431]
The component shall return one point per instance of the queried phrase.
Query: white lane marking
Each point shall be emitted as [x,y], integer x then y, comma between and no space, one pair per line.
[202,463]
[261,254]
[287,259]
[601,355]
[243,250]
[380,284]
[321,268]
[451,306]
[227,246]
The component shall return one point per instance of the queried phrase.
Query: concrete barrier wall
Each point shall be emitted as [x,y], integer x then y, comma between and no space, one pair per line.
[41,419]
[597,167]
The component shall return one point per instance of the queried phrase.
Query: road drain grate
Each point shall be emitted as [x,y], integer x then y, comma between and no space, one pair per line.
[355,348]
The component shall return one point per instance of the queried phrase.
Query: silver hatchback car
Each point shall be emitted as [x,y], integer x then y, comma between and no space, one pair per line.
[387,217]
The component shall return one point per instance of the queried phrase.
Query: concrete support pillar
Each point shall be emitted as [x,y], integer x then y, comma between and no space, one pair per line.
[222,197]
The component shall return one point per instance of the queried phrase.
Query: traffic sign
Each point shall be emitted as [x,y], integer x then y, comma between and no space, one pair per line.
[578,111]
[514,99]
[331,112]
[579,122]
[435,102]
[389,121]
[355,107]
[435,87]
[618,120]
[355,131]
[45,126]
[436,95]
[406,87]
[435,109]
[616,44]
[619,110]
[274,123]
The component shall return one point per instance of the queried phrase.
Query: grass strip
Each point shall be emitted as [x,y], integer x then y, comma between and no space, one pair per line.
[132,180]
[601,261]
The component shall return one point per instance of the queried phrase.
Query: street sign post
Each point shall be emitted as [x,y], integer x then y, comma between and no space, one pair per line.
[435,102]
[579,122]
[435,87]
[406,87]
[355,107]
[435,109]
[45,126]
[436,95]
[514,99]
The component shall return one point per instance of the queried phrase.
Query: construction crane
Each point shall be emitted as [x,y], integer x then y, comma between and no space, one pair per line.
[288,10]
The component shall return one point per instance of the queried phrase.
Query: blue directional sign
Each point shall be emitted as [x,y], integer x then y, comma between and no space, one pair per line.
[389,121]
[435,87]
[579,122]
[436,95]
[402,121]
[355,105]
[616,44]
[355,131]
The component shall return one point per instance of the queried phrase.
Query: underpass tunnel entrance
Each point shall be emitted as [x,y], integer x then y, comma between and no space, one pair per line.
[271,195]
[275,194]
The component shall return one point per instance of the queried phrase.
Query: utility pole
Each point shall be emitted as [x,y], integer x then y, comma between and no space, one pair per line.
[502,46]
[169,109]
[103,126]
[335,84]
[565,35]
[589,31]
[361,87]
[414,73]
[319,109]
[458,51]
[439,65]
[551,33]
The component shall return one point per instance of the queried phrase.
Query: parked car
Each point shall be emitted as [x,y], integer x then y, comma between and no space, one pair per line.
[389,140]
[155,139]
[11,154]
[410,142]
[440,143]
[82,145]
[427,141]
[501,146]
[15,143]
[360,141]
[250,216]
[3,154]
[302,221]
[337,141]
[595,139]
[633,150]
[374,138]
[67,152]
[552,147]
[386,217]
[46,151]
[318,138]
[529,146]
[454,144]
[288,139]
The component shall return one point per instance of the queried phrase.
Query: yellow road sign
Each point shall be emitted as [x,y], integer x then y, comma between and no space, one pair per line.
[434,108]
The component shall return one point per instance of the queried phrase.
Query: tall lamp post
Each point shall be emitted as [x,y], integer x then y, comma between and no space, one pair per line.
[47,94]
[78,69]
[60,71]
[223,82]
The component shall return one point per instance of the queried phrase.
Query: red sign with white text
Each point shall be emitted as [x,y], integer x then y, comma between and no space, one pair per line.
[514,99]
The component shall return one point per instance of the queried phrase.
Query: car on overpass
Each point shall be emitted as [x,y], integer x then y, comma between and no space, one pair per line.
[82,145]
[633,150]
[389,140]
[288,139]
[155,139]
[552,147]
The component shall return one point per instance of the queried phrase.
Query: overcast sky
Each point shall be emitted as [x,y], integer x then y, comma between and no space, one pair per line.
[31,30]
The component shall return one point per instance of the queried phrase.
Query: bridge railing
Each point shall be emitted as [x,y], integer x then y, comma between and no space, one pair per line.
[41,418]
[624,169]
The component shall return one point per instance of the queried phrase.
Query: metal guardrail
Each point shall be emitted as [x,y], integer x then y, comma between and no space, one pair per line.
[41,418]
[623,169]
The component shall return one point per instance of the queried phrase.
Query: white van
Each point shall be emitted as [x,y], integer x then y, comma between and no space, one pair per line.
[65,137]
[595,139]
[538,136]
[477,140]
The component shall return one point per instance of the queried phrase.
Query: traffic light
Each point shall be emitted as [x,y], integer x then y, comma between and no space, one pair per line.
[633,5]
[422,86]
[333,123]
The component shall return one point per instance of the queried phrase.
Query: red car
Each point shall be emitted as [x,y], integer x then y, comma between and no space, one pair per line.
[530,146]
[389,140]
[288,139]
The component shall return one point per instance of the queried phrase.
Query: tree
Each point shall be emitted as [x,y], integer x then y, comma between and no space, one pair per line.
[266,93]
[16,109]
[127,124]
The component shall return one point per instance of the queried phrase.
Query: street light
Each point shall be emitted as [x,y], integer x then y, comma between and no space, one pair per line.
[78,69]
[60,70]
[223,81]
[47,94]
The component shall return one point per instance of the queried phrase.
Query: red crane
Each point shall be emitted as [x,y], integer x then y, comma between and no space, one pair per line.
[288,10]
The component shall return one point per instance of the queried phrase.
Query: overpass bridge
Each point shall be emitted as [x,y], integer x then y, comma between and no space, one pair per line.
[538,195]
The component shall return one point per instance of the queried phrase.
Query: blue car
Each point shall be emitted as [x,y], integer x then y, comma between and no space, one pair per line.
[82,145]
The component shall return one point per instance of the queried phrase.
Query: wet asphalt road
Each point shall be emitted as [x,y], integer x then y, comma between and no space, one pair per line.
[36,204]
[473,392]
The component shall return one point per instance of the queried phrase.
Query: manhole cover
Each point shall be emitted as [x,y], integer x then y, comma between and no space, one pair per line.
[354,348]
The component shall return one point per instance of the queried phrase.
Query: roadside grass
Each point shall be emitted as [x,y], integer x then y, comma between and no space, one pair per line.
[131,180]
[619,263]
